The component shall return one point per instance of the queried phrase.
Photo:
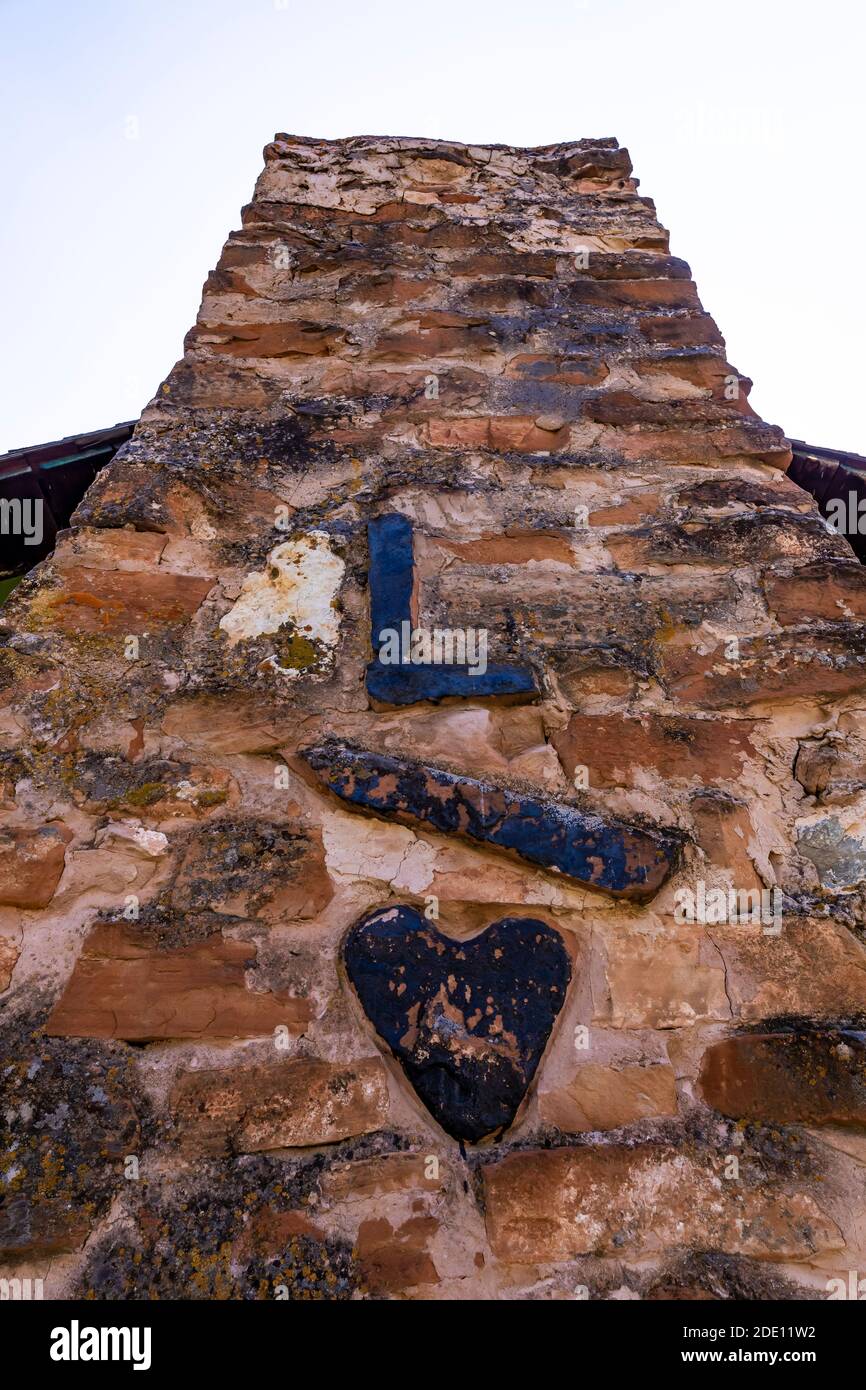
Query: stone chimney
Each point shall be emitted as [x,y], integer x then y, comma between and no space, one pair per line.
[434,780]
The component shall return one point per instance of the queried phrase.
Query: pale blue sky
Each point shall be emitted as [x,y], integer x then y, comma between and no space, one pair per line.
[744,121]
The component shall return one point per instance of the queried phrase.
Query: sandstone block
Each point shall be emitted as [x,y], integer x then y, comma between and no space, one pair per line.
[122,601]
[502,433]
[615,748]
[514,548]
[767,670]
[724,831]
[393,1260]
[825,591]
[125,986]
[798,1076]
[233,724]
[248,867]
[287,339]
[812,968]
[669,978]
[289,1104]
[599,1098]
[31,863]
[389,1175]
[557,1204]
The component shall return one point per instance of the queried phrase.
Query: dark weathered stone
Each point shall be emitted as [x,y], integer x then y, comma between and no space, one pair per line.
[467,1020]
[794,1076]
[226,1229]
[70,1113]
[608,854]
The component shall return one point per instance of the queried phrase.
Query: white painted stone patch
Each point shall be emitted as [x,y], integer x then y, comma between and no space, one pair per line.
[299,584]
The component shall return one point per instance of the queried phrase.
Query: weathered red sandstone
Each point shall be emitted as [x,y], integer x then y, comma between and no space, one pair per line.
[497,345]
[280,1105]
[816,969]
[799,1076]
[127,987]
[122,602]
[557,1204]
[31,863]
[616,750]
[609,1098]
[393,1261]
[363,1179]
[826,591]
[725,833]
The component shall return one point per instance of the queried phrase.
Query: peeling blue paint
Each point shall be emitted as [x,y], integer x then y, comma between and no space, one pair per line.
[468,1021]
[600,851]
[392,577]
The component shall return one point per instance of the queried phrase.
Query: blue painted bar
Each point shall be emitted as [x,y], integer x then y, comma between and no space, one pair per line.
[392,573]
[407,685]
[391,578]
[621,859]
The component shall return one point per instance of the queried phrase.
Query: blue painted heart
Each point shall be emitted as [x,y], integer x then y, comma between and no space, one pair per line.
[467,1020]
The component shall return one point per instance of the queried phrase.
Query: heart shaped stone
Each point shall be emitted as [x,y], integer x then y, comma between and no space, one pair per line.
[467,1020]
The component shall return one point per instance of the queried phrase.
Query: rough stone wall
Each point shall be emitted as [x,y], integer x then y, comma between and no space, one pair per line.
[495,345]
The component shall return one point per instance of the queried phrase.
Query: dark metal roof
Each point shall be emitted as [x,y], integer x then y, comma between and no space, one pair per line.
[820,454]
[834,476]
[74,446]
[55,476]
